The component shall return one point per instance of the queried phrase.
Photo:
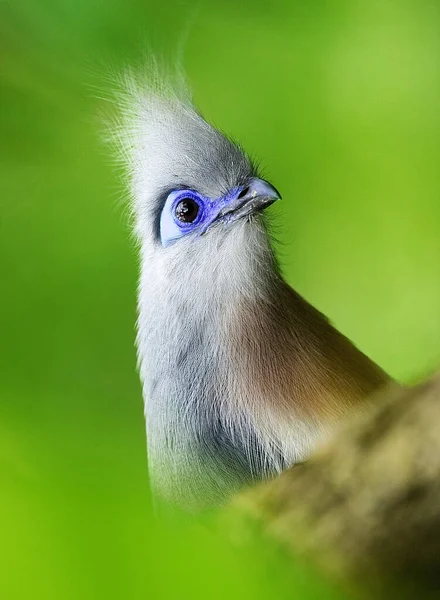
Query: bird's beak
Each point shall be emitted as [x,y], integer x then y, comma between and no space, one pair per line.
[254,197]
[250,199]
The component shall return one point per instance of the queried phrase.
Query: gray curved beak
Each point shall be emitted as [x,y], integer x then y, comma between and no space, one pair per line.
[255,197]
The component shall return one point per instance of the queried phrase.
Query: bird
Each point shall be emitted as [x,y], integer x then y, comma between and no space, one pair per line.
[241,376]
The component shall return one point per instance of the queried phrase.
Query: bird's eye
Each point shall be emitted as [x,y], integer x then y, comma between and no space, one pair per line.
[182,213]
[187,210]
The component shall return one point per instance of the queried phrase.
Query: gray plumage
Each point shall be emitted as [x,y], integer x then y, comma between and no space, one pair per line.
[241,376]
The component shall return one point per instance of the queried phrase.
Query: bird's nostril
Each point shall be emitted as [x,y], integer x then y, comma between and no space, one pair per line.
[243,193]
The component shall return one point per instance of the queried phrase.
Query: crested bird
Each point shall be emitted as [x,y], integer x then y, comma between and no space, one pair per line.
[241,376]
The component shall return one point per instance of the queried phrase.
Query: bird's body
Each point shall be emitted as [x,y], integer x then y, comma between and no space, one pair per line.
[241,376]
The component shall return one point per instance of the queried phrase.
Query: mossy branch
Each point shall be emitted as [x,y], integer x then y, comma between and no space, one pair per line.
[367,507]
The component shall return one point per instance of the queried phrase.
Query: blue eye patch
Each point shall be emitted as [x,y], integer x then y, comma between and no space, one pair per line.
[186,211]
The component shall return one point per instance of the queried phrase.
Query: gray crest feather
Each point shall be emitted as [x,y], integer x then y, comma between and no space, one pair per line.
[165,143]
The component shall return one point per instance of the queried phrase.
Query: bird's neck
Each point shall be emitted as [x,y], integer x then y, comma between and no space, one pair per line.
[241,375]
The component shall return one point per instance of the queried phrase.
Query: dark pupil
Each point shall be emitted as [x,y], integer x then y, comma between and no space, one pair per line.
[187,210]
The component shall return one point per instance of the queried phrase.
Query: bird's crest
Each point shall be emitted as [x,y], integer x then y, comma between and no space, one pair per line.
[164,143]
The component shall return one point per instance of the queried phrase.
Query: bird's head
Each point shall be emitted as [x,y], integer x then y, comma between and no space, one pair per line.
[197,196]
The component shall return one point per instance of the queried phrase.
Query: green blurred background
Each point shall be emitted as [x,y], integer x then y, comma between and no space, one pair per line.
[341,101]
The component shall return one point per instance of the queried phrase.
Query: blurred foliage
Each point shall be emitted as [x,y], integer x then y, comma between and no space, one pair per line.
[340,100]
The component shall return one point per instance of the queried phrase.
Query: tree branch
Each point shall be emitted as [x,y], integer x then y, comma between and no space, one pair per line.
[367,508]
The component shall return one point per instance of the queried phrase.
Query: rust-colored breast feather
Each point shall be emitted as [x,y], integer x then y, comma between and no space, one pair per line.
[292,359]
